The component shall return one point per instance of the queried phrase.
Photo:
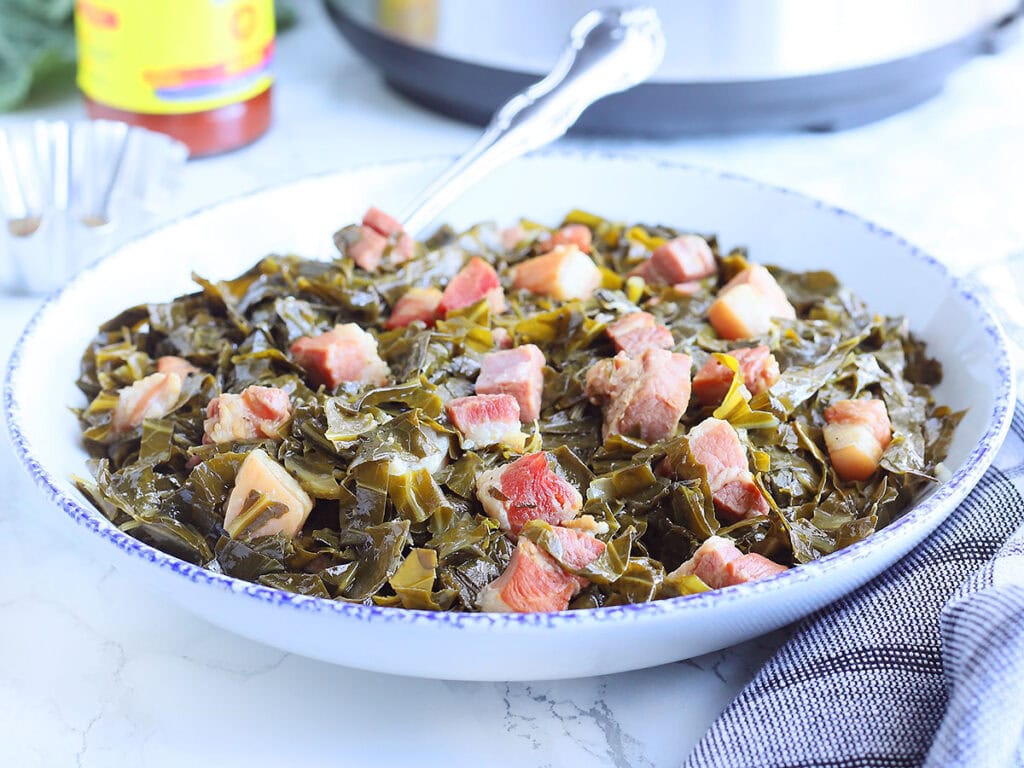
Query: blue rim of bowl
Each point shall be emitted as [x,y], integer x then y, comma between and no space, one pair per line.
[929,512]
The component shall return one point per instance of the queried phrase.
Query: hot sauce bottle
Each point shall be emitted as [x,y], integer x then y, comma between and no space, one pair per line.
[198,70]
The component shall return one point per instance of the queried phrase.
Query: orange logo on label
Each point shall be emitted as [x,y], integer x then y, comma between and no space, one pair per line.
[243,22]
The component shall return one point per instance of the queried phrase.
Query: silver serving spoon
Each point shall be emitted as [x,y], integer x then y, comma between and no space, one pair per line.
[609,51]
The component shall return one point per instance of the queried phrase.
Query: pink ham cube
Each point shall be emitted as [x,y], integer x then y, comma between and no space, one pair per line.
[527,489]
[715,444]
[257,413]
[746,305]
[344,353]
[377,231]
[416,304]
[571,234]
[638,331]
[643,396]
[533,582]
[518,372]
[718,563]
[563,273]
[710,560]
[856,435]
[750,567]
[475,281]
[485,420]
[150,398]
[758,365]
[682,259]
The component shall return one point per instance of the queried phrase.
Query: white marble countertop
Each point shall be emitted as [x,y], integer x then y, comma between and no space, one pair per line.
[95,672]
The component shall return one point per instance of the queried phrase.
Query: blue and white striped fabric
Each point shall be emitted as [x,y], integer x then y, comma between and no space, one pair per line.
[923,667]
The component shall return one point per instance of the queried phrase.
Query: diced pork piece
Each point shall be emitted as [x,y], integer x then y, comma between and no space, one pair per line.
[746,304]
[390,228]
[518,372]
[718,563]
[680,260]
[637,331]
[373,236]
[709,561]
[571,234]
[563,273]
[758,365]
[368,250]
[344,353]
[415,304]
[176,365]
[579,549]
[477,280]
[502,338]
[148,398]
[257,413]
[751,567]
[857,434]
[262,474]
[527,489]
[487,420]
[689,288]
[382,222]
[641,396]
[533,582]
[715,444]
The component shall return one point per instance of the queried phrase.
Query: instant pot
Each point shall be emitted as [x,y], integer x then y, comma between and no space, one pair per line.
[730,65]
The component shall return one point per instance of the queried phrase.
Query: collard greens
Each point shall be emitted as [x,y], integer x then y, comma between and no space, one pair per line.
[420,540]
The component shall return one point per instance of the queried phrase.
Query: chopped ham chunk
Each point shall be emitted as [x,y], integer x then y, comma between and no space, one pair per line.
[856,434]
[487,420]
[527,489]
[477,280]
[715,444]
[709,561]
[257,413]
[261,474]
[637,331]
[369,249]
[176,365]
[758,365]
[533,582]
[377,231]
[563,273]
[148,398]
[415,304]
[345,353]
[718,563]
[680,260]
[518,372]
[750,567]
[643,396]
[382,222]
[579,548]
[746,304]
[571,234]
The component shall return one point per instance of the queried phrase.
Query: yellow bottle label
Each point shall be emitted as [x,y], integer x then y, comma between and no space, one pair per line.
[169,57]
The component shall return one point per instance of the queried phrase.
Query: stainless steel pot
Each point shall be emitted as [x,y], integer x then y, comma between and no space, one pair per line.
[730,64]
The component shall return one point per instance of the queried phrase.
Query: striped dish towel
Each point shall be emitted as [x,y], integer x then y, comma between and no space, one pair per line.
[922,667]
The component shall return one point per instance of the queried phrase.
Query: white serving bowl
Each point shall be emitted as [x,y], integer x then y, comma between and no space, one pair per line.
[778,226]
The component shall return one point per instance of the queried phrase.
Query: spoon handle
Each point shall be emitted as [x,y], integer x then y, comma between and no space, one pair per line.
[609,51]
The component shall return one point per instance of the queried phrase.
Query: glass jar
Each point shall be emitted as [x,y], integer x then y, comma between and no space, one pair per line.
[197,70]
